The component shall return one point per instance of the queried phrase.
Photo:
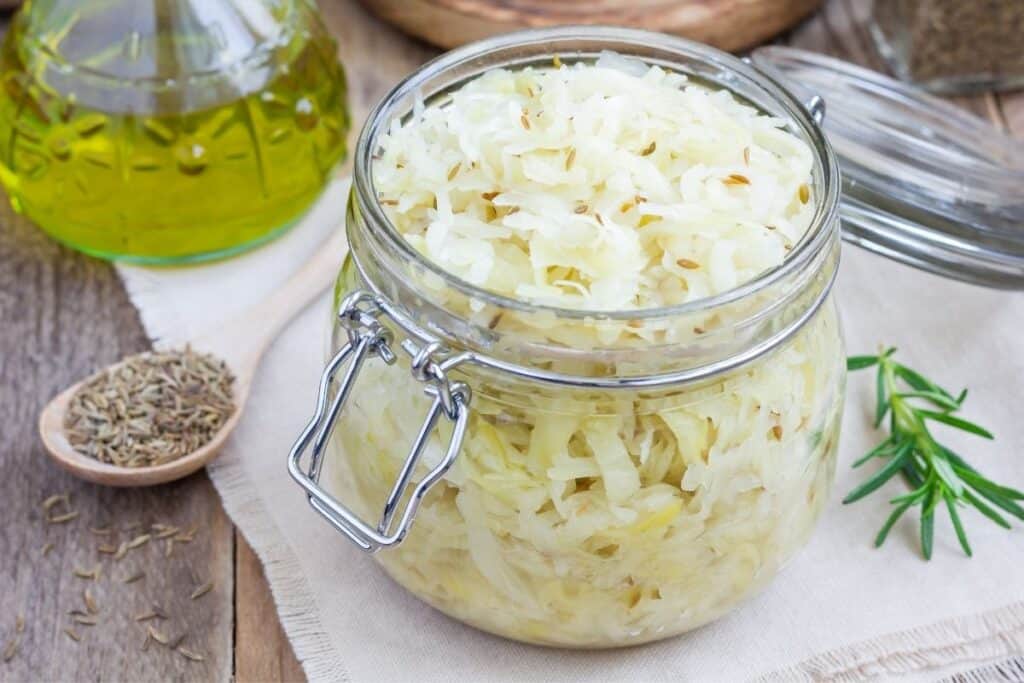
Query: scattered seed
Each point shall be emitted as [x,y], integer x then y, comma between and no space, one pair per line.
[85,620]
[104,531]
[169,548]
[106,549]
[570,158]
[524,120]
[626,206]
[92,574]
[805,194]
[688,264]
[11,649]
[556,62]
[698,330]
[746,156]
[599,219]
[389,202]
[122,550]
[190,655]
[736,179]
[62,519]
[202,590]
[581,208]
[777,432]
[649,149]
[146,616]
[90,602]
[145,643]
[19,623]
[490,195]
[138,540]
[157,636]
[138,576]
[176,641]
[454,171]
[45,550]
[72,635]
[770,227]
[55,499]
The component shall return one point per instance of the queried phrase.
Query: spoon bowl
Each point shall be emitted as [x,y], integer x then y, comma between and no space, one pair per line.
[240,341]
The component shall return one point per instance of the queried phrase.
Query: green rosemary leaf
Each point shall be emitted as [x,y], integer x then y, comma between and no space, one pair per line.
[881,476]
[896,514]
[998,500]
[975,479]
[941,400]
[928,526]
[984,509]
[914,379]
[958,422]
[860,362]
[954,516]
[914,496]
[960,399]
[885,448]
[881,404]
[945,472]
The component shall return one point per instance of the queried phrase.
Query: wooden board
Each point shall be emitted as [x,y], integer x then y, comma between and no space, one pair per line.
[728,24]
[62,315]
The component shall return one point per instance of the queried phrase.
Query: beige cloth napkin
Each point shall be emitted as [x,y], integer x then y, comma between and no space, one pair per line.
[841,611]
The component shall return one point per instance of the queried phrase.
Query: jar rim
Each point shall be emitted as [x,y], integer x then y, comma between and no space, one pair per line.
[815,239]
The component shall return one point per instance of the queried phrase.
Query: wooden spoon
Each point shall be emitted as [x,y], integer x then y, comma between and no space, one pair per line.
[242,339]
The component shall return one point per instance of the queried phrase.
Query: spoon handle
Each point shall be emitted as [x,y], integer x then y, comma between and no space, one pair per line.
[242,340]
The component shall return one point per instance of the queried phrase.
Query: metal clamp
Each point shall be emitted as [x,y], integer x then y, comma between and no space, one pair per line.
[360,315]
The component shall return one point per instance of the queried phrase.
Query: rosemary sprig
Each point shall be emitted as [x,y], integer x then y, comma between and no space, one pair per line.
[935,474]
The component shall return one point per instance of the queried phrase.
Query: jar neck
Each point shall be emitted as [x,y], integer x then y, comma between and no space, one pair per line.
[689,342]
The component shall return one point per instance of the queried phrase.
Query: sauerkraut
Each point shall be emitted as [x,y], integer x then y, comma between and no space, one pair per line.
[606,186]
[590,518]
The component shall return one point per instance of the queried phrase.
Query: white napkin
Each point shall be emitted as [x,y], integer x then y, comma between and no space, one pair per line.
[842,610]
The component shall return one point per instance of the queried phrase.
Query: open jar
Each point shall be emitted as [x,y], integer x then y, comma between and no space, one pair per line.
[578,478]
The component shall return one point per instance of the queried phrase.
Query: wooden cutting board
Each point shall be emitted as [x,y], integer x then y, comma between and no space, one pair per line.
[727,24]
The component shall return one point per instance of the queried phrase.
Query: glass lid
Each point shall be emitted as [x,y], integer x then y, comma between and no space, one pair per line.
[924,181]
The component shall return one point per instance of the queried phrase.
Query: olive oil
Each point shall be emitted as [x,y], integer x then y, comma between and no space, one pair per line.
[136,171]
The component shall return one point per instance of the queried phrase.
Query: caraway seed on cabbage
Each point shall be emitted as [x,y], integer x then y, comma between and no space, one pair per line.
[153,408]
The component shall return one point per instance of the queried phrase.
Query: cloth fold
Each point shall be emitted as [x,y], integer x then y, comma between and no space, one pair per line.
[842,610]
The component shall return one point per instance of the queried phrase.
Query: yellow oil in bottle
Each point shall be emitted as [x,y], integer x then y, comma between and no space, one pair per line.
[170,186]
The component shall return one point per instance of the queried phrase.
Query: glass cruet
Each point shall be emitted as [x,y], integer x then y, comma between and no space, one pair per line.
[165,131]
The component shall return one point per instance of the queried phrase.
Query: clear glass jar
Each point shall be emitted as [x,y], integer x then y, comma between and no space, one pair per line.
[168,130]
[952,46]
[582,478]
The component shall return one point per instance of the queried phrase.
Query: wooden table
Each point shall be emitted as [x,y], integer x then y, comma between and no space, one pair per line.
[62,315]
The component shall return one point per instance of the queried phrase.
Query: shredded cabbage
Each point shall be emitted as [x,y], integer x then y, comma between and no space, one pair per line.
[604,186]
[590,519]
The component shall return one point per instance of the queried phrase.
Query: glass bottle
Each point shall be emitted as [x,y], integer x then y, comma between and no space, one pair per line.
[165,131]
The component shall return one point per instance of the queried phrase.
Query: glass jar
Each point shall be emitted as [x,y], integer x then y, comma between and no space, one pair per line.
[577,478]
[952,46]
[168,130]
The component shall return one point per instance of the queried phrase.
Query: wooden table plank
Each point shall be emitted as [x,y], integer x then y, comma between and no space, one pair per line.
[61,316]
[263,653]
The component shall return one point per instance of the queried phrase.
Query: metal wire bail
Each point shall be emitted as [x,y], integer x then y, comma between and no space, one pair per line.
[359,315]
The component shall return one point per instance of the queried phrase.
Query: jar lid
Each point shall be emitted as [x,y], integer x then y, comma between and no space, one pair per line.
[924,182]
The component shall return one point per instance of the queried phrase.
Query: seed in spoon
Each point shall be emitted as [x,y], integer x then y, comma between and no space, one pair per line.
[151,409]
